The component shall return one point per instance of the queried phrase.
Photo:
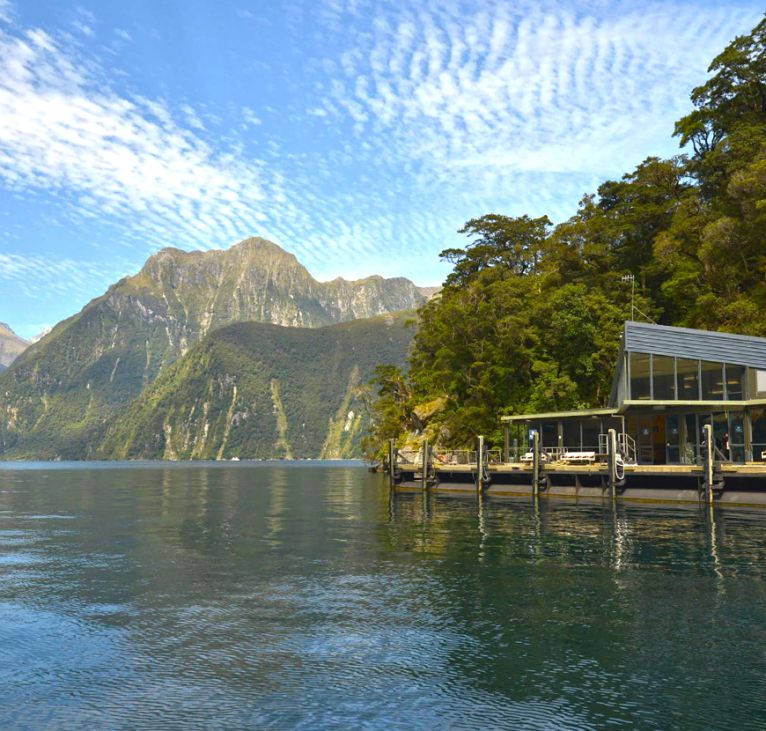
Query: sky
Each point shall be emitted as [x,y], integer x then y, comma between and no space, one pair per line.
[358,135]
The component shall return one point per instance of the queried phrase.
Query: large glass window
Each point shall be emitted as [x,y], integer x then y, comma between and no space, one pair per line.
[758,421]
[550,434]
[688,379]
[735,382]
[736,436]
[591,428]
[712,380]
[691,441]
[664,375]
[572,434]
[640,371]
[757,383]
[672,439]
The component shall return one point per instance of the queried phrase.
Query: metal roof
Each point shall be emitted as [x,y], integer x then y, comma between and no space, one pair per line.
[684,342]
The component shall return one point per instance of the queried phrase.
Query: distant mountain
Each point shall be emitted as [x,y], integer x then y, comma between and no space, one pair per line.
[11,346]
[56,399]
[262,391]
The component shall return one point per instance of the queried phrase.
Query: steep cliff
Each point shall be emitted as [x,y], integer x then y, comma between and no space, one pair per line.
[261,391]
[56,399]
[11,346]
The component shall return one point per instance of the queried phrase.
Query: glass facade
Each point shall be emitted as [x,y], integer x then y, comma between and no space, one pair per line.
[665,378]
[640,376]
[711,381]
[688,379]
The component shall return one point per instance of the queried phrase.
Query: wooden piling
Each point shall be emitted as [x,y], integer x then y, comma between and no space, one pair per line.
[709,464]
[391,463]
[480,463]
[611,455]
[424,466]
[535,462]
[506,443]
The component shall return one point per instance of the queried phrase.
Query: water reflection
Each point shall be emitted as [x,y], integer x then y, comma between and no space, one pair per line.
[279,596]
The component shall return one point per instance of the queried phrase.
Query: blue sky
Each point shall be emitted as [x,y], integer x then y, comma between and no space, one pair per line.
[358,135]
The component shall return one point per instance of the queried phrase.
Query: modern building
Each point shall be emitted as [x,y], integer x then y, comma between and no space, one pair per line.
[668,383]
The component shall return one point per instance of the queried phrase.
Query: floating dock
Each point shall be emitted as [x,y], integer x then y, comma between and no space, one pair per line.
[713,481]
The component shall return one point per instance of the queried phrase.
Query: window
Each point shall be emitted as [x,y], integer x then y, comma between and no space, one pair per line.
[640,371]
[688,379]
[572,434]
[673,439]
[758,421]
[664,375]
[735,382]
[550,434]
[712,381]
[757,383]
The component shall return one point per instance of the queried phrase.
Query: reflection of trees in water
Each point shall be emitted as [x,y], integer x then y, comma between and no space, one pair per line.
[609,599]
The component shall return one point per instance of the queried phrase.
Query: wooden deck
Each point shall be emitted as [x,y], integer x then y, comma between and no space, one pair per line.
[743,484]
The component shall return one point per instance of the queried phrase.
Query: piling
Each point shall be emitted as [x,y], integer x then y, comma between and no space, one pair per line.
[536,465]
[506,443]
[709,464]
[424,466]
[611,453]
[391,463]
[480,464]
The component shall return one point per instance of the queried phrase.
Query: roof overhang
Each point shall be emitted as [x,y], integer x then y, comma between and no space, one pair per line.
[647,405]
[551,415]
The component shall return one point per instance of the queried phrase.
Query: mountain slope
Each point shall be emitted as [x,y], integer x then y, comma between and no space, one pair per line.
[261,390]
[56,398]
[11,346]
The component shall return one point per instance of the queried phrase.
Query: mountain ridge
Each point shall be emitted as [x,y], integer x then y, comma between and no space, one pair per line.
[58,395]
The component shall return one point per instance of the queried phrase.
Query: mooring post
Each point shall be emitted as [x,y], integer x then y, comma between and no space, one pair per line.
[424,466]
[535,462]
[506,443]
[611,458]
[480,463]
[391,462]
[709,461]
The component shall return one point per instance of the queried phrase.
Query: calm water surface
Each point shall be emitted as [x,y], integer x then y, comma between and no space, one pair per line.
[280,596]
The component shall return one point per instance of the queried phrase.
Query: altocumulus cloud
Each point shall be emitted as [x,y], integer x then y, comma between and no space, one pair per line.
[431,113]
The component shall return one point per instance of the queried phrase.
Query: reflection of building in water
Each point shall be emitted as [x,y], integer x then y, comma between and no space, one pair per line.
[670,382]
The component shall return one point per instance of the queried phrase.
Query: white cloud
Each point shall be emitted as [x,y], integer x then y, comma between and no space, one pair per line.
[551,87]
[6,11]
[117,156]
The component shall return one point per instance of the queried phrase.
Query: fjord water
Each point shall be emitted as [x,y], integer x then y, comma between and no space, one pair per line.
[303,596]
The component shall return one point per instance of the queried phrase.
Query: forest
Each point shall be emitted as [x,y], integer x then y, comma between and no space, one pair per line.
[530,317]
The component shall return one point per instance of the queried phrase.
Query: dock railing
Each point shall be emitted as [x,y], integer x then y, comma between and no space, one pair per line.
[455,456]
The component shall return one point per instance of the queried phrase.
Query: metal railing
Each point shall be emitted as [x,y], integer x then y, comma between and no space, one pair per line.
[454,456]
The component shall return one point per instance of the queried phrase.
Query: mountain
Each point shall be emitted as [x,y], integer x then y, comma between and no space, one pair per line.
[56,399]
[11,346]
[259,390]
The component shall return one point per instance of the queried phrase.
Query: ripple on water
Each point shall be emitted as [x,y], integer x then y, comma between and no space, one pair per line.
[304,598]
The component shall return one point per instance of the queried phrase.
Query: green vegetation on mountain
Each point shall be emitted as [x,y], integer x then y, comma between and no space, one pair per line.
[261,391]
[56,399]
[530,317]
[11,346]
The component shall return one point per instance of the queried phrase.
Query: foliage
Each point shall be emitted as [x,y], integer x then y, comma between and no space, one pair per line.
[256,390]
[530,318]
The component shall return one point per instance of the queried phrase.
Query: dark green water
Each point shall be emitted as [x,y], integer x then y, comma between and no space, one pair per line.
[303,597]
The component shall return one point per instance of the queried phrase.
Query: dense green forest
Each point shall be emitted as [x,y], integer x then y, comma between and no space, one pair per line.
[530,317]
[259,390]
